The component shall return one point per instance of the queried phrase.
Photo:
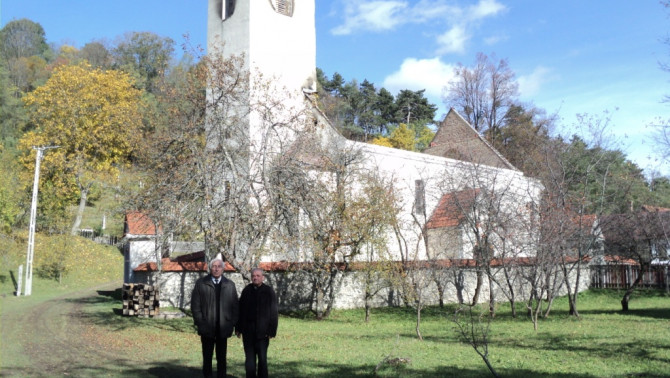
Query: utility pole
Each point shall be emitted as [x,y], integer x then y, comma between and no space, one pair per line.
[33,216]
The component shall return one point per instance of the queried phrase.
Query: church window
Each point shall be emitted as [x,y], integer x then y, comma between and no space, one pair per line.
[419,197]
[228,7]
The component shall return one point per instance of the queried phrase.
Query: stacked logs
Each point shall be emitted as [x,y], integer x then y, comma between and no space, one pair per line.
[140,300]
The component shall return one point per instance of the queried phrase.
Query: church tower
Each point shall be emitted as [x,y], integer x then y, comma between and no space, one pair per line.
[277,38]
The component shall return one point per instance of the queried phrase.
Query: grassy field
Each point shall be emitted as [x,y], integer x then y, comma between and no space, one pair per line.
[79,320]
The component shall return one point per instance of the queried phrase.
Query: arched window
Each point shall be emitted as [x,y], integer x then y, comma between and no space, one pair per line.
[227,9]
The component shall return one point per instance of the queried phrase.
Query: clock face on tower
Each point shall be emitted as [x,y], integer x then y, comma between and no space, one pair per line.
[284,7]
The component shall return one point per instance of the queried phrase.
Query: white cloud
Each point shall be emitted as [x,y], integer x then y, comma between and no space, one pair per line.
[416,74]
[371,15]
[387,15]
[494,39]
[529,85]
[452,41]
[384,15]
[485,8]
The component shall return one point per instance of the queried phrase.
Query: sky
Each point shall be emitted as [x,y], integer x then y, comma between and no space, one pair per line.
[570,57]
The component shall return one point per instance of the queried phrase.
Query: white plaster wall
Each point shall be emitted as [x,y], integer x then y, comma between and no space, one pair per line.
[138,251]
[294,289]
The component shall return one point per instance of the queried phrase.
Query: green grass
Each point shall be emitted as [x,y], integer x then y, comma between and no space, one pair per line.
[604,342]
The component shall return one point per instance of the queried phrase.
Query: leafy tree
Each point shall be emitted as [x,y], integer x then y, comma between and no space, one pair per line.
[414,137]
[25,53]
[22,39]
[423,135]
[387,109]
[12,113]
[9,193]
[412,106]
[523,139]
[361,112]
[97,55]
[93,116]
[145,54]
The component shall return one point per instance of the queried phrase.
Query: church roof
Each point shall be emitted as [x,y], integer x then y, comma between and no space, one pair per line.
[456,139]
[452,209]
[138,223]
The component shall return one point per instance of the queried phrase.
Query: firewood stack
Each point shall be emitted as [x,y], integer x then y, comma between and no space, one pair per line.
[140,300]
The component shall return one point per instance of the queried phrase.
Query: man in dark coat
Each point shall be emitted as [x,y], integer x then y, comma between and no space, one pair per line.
[215,311]
[258,323]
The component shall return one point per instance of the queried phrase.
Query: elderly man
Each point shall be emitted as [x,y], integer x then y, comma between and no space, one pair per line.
[258,323]
[215,312]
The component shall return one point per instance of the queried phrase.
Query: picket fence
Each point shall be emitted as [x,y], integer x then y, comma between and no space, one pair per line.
[622,276]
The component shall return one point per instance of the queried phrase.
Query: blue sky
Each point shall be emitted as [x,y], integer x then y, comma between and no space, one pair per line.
[569,56]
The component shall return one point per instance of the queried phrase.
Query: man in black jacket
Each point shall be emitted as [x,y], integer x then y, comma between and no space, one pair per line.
[215,312]
[258,323]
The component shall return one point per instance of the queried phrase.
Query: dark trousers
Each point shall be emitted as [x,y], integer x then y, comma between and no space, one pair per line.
[208,344]
[253,348]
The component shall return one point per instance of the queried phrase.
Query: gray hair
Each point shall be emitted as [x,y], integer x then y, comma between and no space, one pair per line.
[217,258]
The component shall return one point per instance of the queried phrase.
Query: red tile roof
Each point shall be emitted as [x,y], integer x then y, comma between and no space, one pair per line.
[180,266]
[284,266]
[138,223]
[450,211]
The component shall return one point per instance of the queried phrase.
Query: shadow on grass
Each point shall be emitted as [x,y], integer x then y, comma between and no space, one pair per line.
[306,369]
[594,347]
[115,368]
[654,313]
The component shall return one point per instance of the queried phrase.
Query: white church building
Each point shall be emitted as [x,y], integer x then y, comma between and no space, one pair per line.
[440,189]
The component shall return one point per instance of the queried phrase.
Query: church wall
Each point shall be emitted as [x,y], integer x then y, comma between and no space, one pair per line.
[295,289]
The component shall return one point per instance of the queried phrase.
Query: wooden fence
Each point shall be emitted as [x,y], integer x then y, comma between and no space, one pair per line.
[100,239]
[622,276]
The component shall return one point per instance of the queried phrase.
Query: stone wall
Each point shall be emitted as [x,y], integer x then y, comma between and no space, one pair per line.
[295,290]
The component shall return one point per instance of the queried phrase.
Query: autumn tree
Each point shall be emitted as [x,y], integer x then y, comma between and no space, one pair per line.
[92,116]
[414,137]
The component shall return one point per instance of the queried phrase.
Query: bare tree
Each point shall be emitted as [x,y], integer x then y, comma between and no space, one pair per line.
[639,236]
[474,329]
[483,93]
[209,174]
[493,215]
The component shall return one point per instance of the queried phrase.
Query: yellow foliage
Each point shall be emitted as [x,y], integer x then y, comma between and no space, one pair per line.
[382,141]
[402,137]
[92,115]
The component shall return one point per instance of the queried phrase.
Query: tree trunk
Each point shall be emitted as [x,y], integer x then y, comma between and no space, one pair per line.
[440,292]
[80,211]
[492,298]
[626,297]
[475,296]
[458,282]
[418,321]
[572,294]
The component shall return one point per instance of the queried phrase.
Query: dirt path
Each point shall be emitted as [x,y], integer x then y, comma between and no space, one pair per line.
[54,340]
[68,336]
